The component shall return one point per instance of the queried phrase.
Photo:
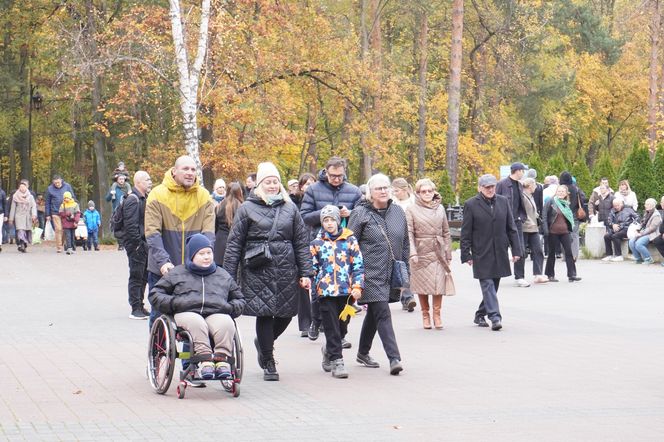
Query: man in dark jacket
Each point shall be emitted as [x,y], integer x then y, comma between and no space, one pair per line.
[54,196]
[620,219]
[3,212]
[332,188]
[486,233]
[133,214]
[511,188]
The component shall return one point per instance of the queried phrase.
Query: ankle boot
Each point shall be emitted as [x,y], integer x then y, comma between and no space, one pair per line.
[437,304]
[424,304]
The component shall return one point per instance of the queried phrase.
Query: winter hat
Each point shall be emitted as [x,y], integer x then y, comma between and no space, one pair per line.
[291,182]
[266,170]
[330,211]
[91,204]
[67,194]
[196,243]
[531,173]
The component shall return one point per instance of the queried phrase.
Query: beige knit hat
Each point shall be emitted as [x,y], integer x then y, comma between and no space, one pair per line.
[266,170]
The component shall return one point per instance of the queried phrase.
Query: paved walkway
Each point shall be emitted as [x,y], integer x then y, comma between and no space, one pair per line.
[574,362]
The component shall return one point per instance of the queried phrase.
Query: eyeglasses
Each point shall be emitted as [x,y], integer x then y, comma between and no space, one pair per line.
[426,191]
[335,177]
[380,189]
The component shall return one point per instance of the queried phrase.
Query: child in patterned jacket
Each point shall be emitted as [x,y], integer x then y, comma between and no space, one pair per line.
[339,275]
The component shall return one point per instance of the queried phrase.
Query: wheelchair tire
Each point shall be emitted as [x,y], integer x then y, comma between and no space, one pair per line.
[161,354]
[238,354]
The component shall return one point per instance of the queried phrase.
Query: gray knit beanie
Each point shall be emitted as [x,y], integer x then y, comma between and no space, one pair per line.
[330,211]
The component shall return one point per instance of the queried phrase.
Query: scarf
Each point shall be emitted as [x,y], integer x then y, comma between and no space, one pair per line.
[68,203]
[218,198]
[21,197]
[563,206]
[271,199]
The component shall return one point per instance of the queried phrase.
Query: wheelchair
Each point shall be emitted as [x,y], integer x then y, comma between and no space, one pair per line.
[166,344]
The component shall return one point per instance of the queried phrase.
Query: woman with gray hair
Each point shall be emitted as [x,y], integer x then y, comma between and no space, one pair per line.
[649,231]
[430,251]
[381,229]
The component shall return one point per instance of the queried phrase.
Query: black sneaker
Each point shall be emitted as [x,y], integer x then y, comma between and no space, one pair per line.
[480,321]
[367,361]
[138,314]
[345,344]
[326,364]
[259,354]
[270,371]
[313,332]
[145,312]
[410,304]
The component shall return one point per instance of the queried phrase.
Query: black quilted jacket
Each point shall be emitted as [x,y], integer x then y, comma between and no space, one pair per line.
[271,290]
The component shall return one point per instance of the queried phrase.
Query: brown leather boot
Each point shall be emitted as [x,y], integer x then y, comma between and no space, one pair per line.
[437,304]
[424,304]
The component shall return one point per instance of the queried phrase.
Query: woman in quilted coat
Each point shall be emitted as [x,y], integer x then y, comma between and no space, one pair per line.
[23,215]
[268,254]
[430,250]
[372,222]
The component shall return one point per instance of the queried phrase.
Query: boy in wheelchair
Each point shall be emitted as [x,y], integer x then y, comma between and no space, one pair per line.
[203,300]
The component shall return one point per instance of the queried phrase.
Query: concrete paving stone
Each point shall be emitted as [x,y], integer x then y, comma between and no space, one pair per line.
[575,362]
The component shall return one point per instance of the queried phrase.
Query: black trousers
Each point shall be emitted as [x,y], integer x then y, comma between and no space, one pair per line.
[659,243]
[335,329]
[138,277]
[615,239]
[379,319]
[519,268]
[268,329]
[566,242]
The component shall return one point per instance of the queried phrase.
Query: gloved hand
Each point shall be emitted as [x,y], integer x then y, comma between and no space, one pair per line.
[236,310]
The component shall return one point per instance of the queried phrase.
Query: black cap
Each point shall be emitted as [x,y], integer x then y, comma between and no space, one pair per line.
[517,166]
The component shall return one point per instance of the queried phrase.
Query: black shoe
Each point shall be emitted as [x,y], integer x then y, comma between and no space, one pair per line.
[270,371]
[395,367]
[480,321]
[345,344]
[496,325]
[139,314]
[259,354]
[326,364]
[574,278]
[313,332]
[367,361]
[304,334]
[552,279]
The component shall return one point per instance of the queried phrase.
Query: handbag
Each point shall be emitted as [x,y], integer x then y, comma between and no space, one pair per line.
[260,256]
[633,229]
[580,212]
[400,278]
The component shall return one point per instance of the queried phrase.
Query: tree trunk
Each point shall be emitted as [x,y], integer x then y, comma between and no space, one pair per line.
[99,144]
[654,65]
[189,76]
[365,159]
[454,92]
[423,43]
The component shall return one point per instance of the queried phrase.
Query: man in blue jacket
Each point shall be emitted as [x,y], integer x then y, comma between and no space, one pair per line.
[54,196]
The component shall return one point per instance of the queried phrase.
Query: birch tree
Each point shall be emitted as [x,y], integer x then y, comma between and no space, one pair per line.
[189,75]
[454,92]
[654,63]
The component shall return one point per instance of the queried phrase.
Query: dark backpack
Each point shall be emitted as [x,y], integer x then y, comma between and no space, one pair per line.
[116,223]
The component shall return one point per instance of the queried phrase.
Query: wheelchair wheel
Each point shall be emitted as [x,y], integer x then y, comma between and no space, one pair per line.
[238,354]
[161,354]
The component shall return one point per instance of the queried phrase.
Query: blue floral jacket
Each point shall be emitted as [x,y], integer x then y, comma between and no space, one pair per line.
[338,264]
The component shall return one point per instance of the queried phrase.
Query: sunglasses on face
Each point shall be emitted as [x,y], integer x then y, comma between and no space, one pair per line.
[426,191]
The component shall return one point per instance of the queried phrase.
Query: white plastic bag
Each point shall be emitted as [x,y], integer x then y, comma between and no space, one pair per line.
[49,234]
[632,230]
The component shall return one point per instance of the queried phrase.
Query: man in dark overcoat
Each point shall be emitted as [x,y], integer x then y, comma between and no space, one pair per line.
[486,233]
[511,188]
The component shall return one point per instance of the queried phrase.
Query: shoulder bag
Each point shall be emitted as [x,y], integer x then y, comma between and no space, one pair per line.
[400,278]
[580,213]
[259,255]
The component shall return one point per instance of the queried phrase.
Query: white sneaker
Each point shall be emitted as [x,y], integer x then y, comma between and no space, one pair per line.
[607,258]
[522,283]
[617,259]
[540,279]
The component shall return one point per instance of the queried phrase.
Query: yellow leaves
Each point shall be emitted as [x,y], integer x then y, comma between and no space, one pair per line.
[347,312]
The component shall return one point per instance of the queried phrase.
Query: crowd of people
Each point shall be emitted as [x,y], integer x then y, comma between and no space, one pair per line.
[323,249]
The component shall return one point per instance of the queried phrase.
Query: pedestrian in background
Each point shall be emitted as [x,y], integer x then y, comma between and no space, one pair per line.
[23,214]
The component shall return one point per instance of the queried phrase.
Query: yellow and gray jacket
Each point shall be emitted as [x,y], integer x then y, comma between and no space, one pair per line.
[173,214]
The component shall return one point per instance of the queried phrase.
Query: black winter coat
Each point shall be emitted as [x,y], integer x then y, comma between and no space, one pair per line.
[181,291]
[133,218]
[365,222]
[221,231]
[271,290]
[504,188]
[623,218]
[322,193]
[486,235]
[550,214]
